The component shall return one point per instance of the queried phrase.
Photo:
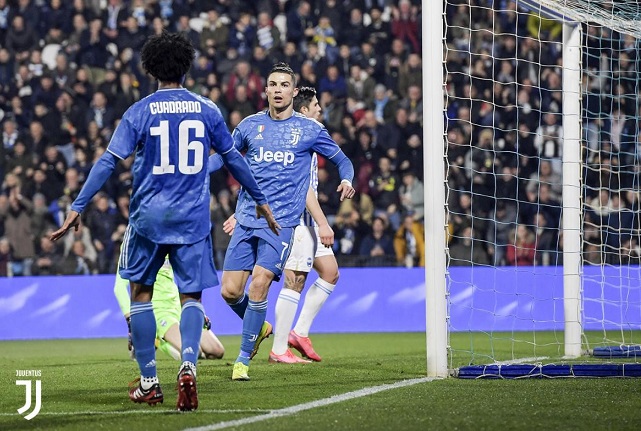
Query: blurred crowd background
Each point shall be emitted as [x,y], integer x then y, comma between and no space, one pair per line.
[70,69]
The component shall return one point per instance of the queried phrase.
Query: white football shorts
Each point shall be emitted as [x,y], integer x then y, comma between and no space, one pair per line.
[306,247]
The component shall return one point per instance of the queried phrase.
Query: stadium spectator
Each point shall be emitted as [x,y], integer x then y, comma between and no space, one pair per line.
[21,38]
[334,83]
[300,26]
[412,195]
[378,245]
[409,242]
[413,103]
[466,250]
[41,218]
[501,222]
[101,221]
[267,34]
[15,211]
[5,256]
[333,111]
[405,26]
[349,231]
[324,36]
[47,259]
[360,88]
[9,135]
[243,75]
[521,251]
[379,31]
[354,32]
[75,263]
[215,34]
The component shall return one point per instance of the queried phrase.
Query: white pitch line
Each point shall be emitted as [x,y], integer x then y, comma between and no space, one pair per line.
[139,412]
[287,411]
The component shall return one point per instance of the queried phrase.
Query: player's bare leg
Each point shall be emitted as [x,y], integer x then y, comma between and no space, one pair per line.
[232,290]
[210,345]
[327,269]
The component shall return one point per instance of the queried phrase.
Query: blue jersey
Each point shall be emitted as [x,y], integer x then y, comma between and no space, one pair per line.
[171,132]
[279,153]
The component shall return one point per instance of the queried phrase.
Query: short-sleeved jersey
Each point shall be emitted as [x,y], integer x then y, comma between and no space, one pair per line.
[307,219]
[279,154]
[171,132]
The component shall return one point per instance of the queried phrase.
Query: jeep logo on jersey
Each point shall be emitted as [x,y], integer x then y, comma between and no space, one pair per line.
[284,157]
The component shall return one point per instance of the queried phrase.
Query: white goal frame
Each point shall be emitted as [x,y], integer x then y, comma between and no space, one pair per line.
[437,334]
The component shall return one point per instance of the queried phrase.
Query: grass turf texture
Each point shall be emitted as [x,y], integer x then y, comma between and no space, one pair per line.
[91,376]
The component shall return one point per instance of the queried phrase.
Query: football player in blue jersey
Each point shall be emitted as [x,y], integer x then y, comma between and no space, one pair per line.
[311,247]
[171,132]
[279,144]
[313,239]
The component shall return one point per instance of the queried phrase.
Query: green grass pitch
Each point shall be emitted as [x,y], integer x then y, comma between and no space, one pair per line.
[84,387]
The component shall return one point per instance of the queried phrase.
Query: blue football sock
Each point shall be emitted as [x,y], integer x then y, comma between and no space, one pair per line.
[240,305]
[143,336]
[252,324]
[191,328]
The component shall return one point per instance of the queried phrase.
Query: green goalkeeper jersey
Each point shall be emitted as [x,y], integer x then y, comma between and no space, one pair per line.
[165,298]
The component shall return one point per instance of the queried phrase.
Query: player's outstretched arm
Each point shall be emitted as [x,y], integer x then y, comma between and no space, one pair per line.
[324,230]
[99,174]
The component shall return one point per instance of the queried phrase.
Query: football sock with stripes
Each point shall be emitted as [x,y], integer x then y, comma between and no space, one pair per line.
[314,300]
[240,305]
[252,324]
[143,336]
[191,327]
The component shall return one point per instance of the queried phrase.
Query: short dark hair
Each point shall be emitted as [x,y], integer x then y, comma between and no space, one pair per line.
[282,67]
[304,98]
[168,56]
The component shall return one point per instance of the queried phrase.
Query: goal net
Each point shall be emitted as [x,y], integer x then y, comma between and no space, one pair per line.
[542,165]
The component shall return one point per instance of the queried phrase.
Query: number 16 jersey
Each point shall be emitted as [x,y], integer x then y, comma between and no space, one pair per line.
[171,132]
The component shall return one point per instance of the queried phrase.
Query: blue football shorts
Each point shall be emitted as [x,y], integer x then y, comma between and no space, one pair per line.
[258,246]
[193,264]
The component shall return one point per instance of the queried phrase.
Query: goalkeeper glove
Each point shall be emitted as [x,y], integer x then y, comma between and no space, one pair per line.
[207,324]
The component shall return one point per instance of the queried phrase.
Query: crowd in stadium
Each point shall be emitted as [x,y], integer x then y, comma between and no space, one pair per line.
[69,70]
[505,139]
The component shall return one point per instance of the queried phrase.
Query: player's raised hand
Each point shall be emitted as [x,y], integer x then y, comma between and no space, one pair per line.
[72,221]
[229,225]
[264,210]
[346,190]
[326,235]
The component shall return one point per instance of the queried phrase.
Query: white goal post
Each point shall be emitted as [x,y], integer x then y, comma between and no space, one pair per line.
[441,309]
